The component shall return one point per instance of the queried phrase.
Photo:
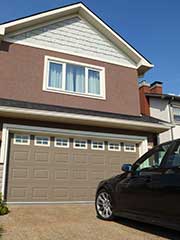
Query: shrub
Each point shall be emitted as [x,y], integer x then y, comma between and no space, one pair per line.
[3,208]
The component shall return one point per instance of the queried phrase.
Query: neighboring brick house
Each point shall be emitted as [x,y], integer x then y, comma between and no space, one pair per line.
[166,107]
[69,105]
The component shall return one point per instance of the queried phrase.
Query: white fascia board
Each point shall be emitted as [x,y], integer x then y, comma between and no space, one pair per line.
[85,118]
[2,31]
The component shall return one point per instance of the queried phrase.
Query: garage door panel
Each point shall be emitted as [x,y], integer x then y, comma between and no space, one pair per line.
[61,194]
[18,193]
[41,174]
[61,174]
[41,156]
[21,156]
[60,157]
[40,193]
[20,173]
[80,158]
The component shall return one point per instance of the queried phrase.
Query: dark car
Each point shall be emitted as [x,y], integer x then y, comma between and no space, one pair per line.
[148,190]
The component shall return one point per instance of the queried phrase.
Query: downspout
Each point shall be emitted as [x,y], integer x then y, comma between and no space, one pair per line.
[171,116]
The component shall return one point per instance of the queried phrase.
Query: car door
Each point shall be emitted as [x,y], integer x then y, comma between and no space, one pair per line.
[169,207]
[138,192]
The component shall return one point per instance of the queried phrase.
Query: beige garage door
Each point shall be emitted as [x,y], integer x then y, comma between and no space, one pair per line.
[48,169]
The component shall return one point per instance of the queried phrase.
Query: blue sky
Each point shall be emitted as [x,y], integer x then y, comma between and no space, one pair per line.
[152,27]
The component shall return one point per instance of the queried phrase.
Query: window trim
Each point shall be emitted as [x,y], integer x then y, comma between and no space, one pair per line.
[42,145]
[49,59]
[74,144]
[59,146]
[128,150]
[19,143]
[114,150]
[98,149]
[174,115]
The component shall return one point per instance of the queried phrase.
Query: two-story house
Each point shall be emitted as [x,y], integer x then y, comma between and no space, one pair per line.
[157,104]
[69,105]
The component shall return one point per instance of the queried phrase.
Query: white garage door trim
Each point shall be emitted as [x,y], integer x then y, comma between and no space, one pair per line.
[142,140]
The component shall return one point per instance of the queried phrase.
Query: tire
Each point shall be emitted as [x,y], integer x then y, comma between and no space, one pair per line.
[103,205]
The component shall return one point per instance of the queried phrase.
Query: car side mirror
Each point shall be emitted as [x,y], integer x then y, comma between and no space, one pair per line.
[126,167]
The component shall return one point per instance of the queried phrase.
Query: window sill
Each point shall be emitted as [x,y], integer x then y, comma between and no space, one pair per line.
[75,94]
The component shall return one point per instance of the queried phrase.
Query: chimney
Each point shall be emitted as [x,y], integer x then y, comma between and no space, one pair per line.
[144,88]
[156,87]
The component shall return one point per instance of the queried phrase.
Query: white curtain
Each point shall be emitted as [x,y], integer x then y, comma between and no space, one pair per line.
[55,75]
[93,82]
[75,78]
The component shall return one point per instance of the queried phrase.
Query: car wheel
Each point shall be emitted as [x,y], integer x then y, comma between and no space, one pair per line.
[103,205]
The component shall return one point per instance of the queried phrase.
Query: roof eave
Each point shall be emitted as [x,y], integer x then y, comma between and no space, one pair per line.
[74,118]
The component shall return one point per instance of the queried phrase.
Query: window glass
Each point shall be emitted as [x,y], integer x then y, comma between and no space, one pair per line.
[81,144]
[21,139]
[129,147]
[174,159]
[41,140]
[114,146]
[62,142]
[155,159]
[176,112]
[55,75]
[97,145]
[93,81]
[75,78]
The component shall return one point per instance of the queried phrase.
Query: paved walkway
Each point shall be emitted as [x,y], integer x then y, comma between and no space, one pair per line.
[73,222]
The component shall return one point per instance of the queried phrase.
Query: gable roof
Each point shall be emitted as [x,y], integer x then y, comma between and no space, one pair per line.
[78,8]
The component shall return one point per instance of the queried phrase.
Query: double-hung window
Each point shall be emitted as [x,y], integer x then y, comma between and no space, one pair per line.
[176,113]
[74,78]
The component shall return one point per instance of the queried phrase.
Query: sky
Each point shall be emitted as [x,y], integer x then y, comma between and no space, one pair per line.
[152,27]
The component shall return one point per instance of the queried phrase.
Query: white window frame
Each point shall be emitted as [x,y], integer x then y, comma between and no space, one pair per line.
[98,149]
[113,149]
[39,144]
[129,150]
[61,146]
[101,70]
[174,115]
[21,143]
[80,147]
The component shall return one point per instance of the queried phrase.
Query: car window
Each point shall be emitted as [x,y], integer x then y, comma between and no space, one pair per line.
[174,158]
[154,159]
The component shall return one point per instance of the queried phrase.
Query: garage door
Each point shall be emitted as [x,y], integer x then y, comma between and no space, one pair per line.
[48,168]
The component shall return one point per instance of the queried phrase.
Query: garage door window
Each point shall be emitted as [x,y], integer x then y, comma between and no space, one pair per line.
[97,145]
[80,144]
[114,146]
[42,141]
[21,139]
[61,142]
[129,147]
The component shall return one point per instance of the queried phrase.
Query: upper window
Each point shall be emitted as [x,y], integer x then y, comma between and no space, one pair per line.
[130,147]
[21,139]
[96,145]
[74,78]
[42,141]
[176,112]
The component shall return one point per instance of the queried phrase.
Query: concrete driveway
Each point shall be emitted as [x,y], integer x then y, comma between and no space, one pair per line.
[76,222]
